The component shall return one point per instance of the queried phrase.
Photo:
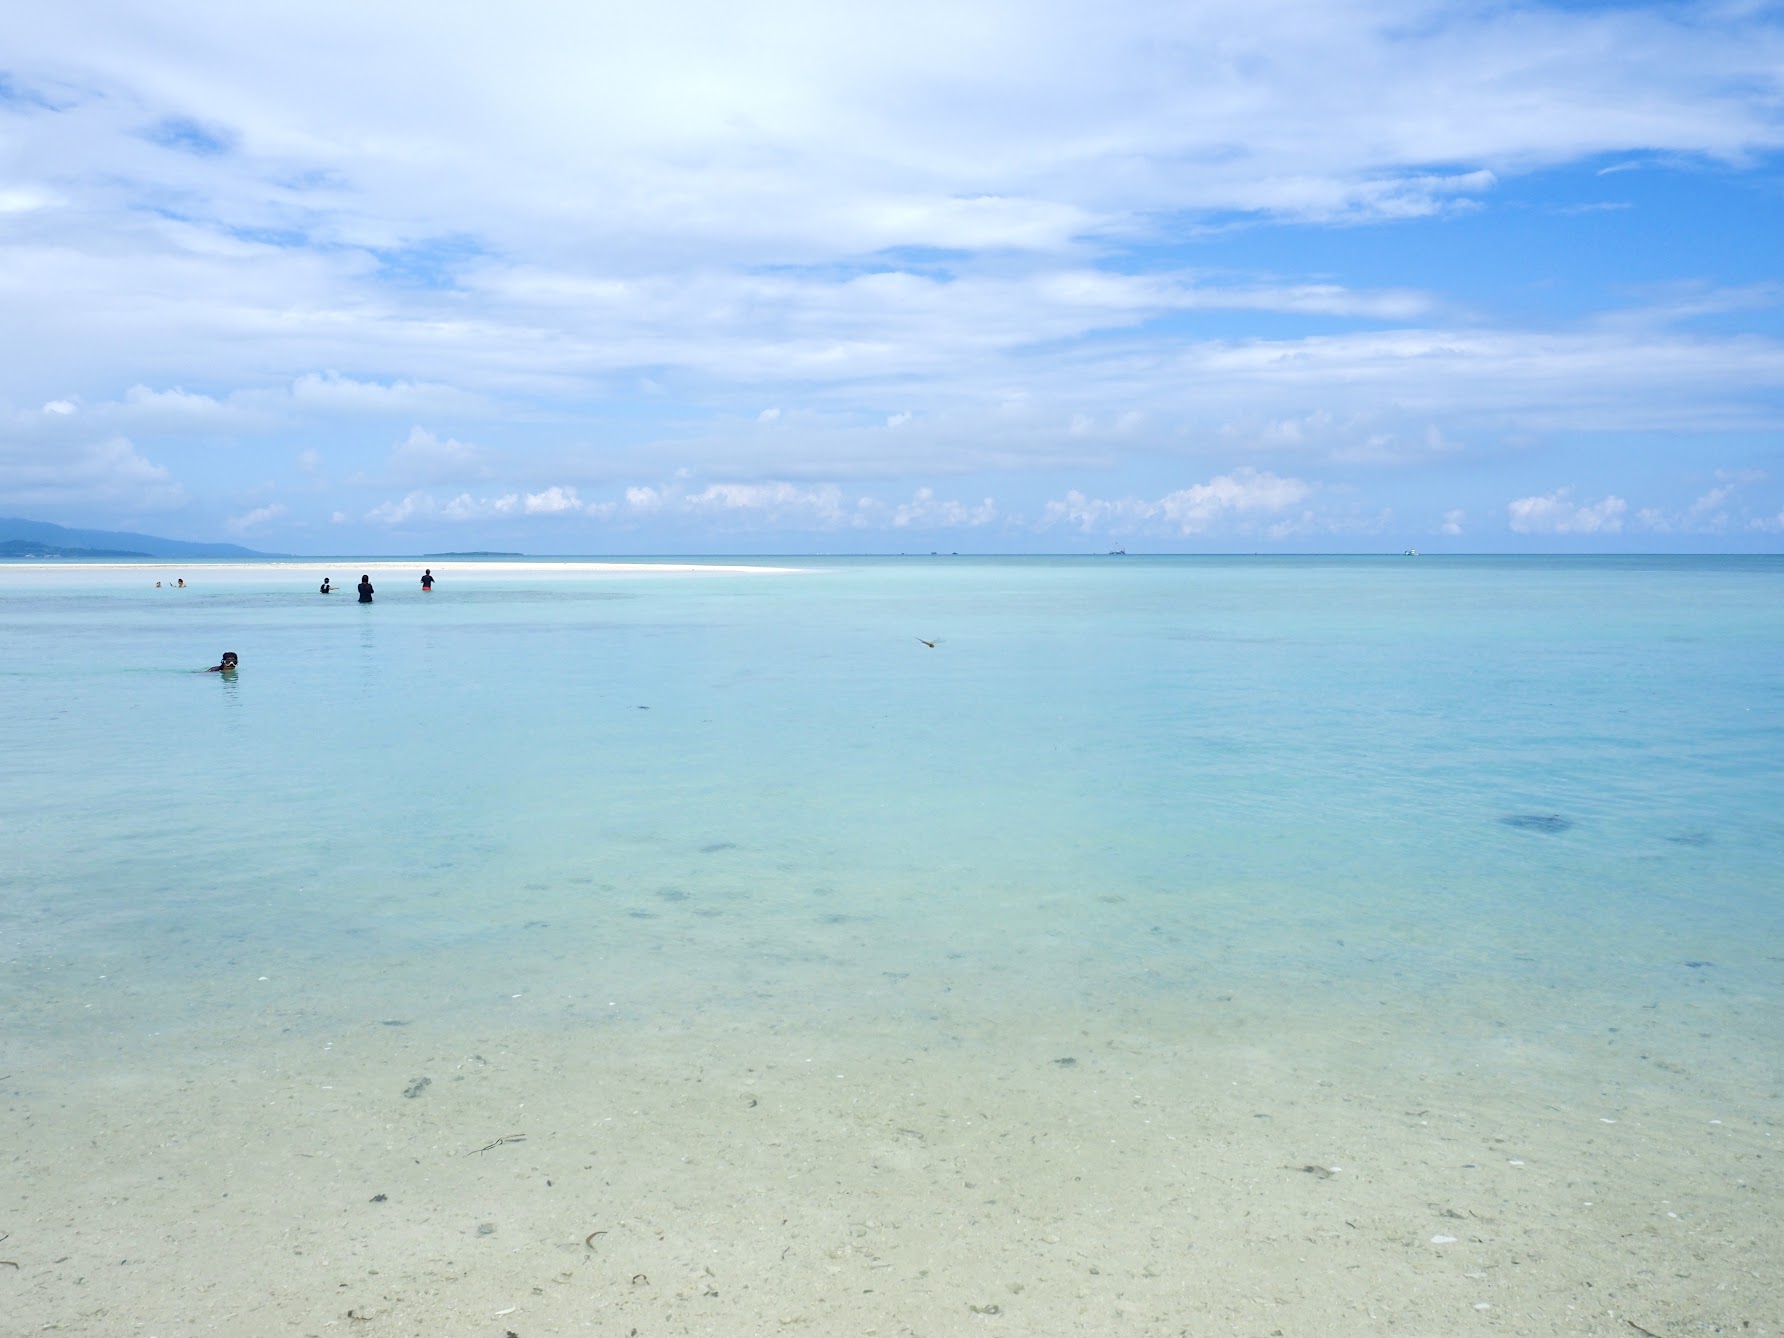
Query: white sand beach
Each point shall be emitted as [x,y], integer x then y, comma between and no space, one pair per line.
[1087,1174]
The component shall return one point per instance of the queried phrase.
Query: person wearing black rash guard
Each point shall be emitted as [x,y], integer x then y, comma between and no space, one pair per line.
[427,581]
[365,589]
[227,667]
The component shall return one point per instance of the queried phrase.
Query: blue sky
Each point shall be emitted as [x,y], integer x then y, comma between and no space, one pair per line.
[1051,276]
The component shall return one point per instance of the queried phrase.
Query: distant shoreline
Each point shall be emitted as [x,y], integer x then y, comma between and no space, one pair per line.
[327,566]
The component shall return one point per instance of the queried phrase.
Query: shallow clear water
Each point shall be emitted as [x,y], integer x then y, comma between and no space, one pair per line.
[596,796]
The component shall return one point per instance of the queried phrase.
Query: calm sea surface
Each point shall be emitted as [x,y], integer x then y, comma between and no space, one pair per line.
[591,796]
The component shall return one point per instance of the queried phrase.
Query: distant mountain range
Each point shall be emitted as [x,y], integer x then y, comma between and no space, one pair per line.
[38,538]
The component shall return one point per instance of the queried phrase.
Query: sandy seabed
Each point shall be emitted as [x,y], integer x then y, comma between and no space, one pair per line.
[1141,1170]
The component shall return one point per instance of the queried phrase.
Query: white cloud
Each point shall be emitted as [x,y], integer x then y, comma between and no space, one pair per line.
[26,199]
[169,410]
[465,507]
[962,220]
[256,519]
[1242,495]
[1709,509]
[421,507]
[423,457]
[926,511]
[936,127]
[645,501]
[1453,521]
[256,408]
[1716,511]
[1327,197]
[1556,513]
[330,392]
[783,504]
[778,504]
[398,513]
[108,472]
[552,502]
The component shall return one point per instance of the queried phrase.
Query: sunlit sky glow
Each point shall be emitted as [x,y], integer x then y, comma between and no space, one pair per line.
[1055,276]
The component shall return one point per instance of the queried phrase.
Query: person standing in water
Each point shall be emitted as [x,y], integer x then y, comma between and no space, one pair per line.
[427,581]
[365,589]
[327,586]
[228,665]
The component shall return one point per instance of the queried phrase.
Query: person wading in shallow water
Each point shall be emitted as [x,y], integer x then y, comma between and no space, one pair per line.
[365,589]
[427,581]
[227,667]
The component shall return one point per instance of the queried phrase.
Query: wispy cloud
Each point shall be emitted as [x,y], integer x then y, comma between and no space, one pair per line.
[1558,513]
[1719,510]
[1245,494]
[107,472]
[259,518]
[828,260]
[186,135]
[422,457]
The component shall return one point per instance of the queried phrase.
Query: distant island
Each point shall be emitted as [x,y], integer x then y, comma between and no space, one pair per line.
[438,556]
[28,548]
[21,538]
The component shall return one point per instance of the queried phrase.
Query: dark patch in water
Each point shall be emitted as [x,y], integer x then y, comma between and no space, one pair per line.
[1537,822]
[717,846]
[672,894]
[417,1087]
[1690,839]
[642,915]
[1697,965]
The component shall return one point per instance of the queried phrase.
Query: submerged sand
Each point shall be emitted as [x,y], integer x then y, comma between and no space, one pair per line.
[1145,1170]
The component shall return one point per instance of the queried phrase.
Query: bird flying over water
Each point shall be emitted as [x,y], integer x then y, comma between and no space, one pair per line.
[930,644]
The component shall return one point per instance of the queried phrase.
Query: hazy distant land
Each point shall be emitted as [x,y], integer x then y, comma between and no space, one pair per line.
[21,538]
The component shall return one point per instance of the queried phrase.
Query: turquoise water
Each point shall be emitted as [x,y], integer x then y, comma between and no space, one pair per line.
[583,797]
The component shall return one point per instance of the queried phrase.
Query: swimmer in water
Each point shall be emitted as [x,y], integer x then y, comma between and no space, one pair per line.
[365,589]
[227,667]
[327,588]
[427,581]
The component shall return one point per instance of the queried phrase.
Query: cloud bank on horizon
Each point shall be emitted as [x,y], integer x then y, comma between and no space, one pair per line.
[1299,275]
